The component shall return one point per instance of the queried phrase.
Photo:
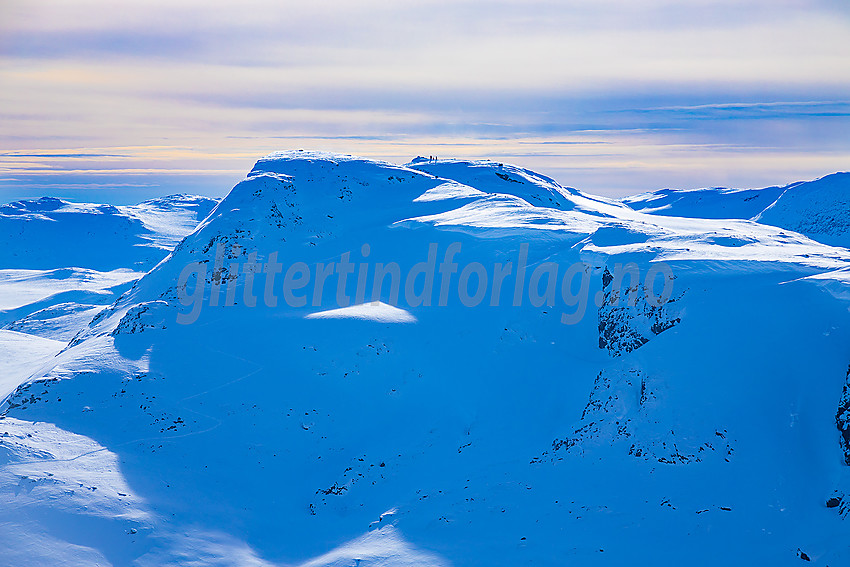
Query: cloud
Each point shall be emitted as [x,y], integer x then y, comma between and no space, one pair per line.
[56,155]
[216,84]
[465,44]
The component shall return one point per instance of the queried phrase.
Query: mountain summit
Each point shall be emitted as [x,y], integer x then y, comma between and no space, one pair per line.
[351,362]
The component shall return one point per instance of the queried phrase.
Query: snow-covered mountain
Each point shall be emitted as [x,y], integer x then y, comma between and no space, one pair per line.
[707,203]
[57,255]
[819,209]
[51,233]
[494,370]
[61,263]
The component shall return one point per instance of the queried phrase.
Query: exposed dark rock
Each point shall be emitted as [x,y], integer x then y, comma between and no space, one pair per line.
[141,317]
[627,320]
[842,418]
[627,408]
[507,178]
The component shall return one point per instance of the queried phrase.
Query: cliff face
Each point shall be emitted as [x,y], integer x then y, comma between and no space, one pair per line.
[629,317]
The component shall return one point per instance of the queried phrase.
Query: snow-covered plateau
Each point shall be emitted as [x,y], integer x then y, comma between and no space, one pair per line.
[347,362]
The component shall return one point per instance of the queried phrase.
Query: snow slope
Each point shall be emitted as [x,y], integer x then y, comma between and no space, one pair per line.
[710,203]
[62,262]
[818,209]
[699,430]
[20,356]
[51,233]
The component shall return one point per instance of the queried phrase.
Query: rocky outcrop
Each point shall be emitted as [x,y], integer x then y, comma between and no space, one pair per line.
[628,320]
[626,408]
[842,418]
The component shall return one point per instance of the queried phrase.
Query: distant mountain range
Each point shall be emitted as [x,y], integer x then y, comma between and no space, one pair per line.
[820,209]
[52,233]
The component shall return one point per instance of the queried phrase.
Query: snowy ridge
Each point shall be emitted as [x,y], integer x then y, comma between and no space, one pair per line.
[711,203]
[169,219]
[818,209]
[309,432]
[53,233]
[63,260]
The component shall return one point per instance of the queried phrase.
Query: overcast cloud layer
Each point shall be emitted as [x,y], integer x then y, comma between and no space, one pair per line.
[117,101]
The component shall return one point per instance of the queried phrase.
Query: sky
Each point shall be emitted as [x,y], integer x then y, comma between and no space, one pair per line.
[120,101]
